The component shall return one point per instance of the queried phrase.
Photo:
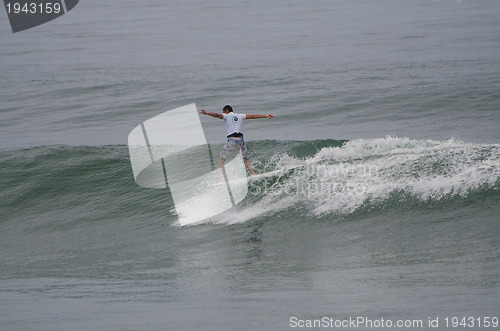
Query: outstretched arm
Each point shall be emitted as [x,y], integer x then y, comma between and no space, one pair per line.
[253,117]
[212,114]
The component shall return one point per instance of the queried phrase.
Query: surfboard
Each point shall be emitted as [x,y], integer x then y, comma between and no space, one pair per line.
[274,173]
[262,176]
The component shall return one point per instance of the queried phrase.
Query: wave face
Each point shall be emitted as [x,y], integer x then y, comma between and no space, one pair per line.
[57,185]
[68,186]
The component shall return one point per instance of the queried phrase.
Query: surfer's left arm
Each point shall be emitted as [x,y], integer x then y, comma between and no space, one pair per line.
[252,117]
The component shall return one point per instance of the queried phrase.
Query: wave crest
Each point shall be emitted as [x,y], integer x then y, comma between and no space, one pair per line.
[384,171]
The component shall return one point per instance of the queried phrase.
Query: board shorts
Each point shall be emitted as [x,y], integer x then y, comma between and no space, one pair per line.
[232,144]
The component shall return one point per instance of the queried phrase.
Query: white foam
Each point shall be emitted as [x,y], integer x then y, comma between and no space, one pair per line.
[342,179]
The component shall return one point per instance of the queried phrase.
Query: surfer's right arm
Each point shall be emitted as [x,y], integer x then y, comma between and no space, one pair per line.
[212,114]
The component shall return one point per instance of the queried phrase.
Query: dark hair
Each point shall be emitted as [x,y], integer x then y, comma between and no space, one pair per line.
[228,108]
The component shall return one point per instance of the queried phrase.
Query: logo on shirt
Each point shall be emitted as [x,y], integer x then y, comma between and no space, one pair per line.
[235,119]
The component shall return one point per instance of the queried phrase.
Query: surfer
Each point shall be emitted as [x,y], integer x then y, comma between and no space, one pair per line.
[234,123]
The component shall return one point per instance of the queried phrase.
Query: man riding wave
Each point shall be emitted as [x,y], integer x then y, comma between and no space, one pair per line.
[234,124]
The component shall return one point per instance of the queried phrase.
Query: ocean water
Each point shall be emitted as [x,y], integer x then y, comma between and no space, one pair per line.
[393,106]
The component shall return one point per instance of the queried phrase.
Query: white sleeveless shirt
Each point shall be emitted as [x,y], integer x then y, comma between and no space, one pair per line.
[233,122]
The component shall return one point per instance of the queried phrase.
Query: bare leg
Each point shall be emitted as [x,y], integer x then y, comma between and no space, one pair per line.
[249,166]
[222,170]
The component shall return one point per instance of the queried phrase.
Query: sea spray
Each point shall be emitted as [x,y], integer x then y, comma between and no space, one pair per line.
[341,179]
